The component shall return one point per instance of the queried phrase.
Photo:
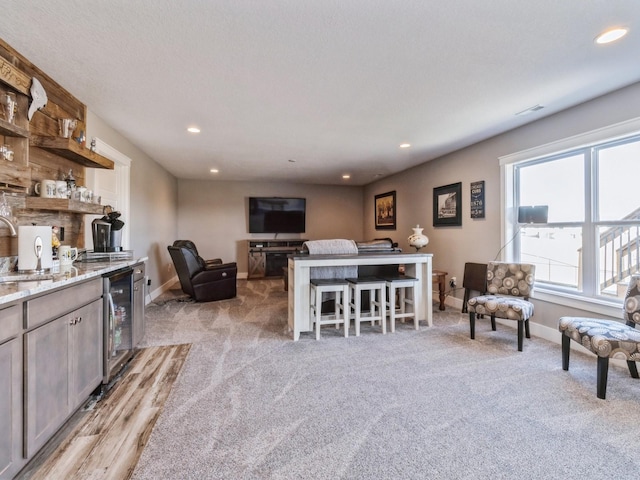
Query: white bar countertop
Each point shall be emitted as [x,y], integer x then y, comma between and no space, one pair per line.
[33,284]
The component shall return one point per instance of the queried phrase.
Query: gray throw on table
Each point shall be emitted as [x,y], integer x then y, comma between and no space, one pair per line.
[336,246]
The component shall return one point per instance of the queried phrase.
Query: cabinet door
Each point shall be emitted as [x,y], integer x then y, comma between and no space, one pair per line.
[138,312]
[47,381]
[257,265]
[86,352]
[10,407]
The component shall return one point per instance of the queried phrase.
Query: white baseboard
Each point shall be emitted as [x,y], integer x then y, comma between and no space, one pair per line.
[161,289]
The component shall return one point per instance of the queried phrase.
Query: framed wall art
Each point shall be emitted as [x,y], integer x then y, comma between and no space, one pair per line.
[477,199]
[447,205]
[385,211]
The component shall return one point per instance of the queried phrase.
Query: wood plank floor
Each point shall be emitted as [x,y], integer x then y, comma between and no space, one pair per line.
[106,442]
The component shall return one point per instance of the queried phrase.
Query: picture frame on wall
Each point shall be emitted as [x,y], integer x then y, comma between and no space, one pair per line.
[447,205]
[385,211]
[477,199]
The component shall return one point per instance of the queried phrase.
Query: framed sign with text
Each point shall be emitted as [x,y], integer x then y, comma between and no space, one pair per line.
[477,199]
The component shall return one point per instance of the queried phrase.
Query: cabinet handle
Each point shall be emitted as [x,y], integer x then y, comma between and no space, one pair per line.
[79,319]
[75,320]
[135,289]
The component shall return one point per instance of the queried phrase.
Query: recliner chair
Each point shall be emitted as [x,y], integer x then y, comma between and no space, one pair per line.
[203,281]
[192,246]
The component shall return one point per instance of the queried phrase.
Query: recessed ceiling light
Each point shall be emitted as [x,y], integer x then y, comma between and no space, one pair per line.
[214,170]
[193,130]
[405,145]
[611,35]
[346,176]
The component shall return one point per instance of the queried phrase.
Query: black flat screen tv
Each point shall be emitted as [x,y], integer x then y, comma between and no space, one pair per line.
[277,215]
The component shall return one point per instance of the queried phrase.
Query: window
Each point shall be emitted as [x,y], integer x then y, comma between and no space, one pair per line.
[590,244]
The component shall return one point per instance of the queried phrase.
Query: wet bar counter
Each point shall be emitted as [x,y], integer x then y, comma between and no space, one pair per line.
[33,284]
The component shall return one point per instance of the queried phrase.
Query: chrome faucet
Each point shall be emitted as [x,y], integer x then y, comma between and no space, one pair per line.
[12,227]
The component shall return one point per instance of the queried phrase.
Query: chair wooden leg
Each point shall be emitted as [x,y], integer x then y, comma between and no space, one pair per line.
[566,349]
[603,370]
[472,324]
[520,335]
[493,323]
[527,333]
[633,370]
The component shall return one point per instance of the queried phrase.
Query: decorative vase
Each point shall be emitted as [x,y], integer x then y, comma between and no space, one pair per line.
[417,239]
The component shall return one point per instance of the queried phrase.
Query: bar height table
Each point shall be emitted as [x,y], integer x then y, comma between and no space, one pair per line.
[417,265]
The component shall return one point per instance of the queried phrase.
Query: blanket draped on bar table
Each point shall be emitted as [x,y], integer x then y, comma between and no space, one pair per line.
[336,246]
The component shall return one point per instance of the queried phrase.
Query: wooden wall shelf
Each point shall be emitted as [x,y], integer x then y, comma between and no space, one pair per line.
[63,204]
[11,130]
[71,150]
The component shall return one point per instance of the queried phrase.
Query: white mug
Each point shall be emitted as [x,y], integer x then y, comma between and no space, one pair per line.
[81,193]
[61,189]
[46,189]
[67,254]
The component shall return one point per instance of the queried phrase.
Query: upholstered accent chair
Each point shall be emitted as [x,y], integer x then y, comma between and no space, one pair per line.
[507,296]
[202,281]
[607,338]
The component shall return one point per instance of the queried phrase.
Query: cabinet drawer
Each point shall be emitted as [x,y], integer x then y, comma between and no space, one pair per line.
[58,303]
[138,272]
[10,322]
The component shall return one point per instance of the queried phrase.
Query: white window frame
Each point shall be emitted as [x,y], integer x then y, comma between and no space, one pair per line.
[508,224]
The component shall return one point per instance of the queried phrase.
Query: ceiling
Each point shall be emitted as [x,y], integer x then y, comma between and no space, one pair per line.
[309,90]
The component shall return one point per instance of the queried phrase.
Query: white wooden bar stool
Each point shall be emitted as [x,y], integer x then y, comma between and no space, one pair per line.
[340,287]
[401,287]
[377,301]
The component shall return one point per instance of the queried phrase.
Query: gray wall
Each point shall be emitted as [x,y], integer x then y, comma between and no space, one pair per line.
[214,214]
[154,200]
[480,240]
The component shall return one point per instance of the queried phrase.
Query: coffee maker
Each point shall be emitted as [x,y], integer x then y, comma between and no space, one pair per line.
[107,233]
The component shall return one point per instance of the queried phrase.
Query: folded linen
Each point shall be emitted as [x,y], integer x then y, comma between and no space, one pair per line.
[335,246]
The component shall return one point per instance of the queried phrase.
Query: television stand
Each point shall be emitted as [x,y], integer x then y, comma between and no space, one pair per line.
[268,257]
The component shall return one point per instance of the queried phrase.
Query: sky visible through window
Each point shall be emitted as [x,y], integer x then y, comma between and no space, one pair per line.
[560,184]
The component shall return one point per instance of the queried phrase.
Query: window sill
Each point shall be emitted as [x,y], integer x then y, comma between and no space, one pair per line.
[609,308]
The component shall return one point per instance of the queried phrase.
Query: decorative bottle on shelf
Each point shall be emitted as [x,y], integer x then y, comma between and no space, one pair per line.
[417,239]
[71,182]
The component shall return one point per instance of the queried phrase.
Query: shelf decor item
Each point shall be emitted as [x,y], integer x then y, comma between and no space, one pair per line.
[385,211]
[39,97]
[417,240]
[447,205]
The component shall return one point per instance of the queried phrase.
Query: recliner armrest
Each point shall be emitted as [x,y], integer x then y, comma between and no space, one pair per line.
[213,261]
[215,273]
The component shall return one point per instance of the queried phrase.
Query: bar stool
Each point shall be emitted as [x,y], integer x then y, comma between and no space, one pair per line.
[341,303]
[377,302]
[403,286]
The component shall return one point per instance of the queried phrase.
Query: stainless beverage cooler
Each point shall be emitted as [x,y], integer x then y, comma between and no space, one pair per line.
[118,317]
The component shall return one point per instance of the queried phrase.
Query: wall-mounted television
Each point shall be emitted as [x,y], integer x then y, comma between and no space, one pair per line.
[277,215]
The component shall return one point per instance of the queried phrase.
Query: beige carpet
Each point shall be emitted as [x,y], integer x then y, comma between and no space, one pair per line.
[430,404]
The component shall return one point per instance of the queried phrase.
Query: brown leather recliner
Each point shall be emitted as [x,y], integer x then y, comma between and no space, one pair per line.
[203,281]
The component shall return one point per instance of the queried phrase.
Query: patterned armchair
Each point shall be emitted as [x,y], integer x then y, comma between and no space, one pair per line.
[607,338]
[508,288]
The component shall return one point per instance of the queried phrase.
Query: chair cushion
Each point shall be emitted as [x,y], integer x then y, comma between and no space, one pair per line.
[511,308]
[605,338]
